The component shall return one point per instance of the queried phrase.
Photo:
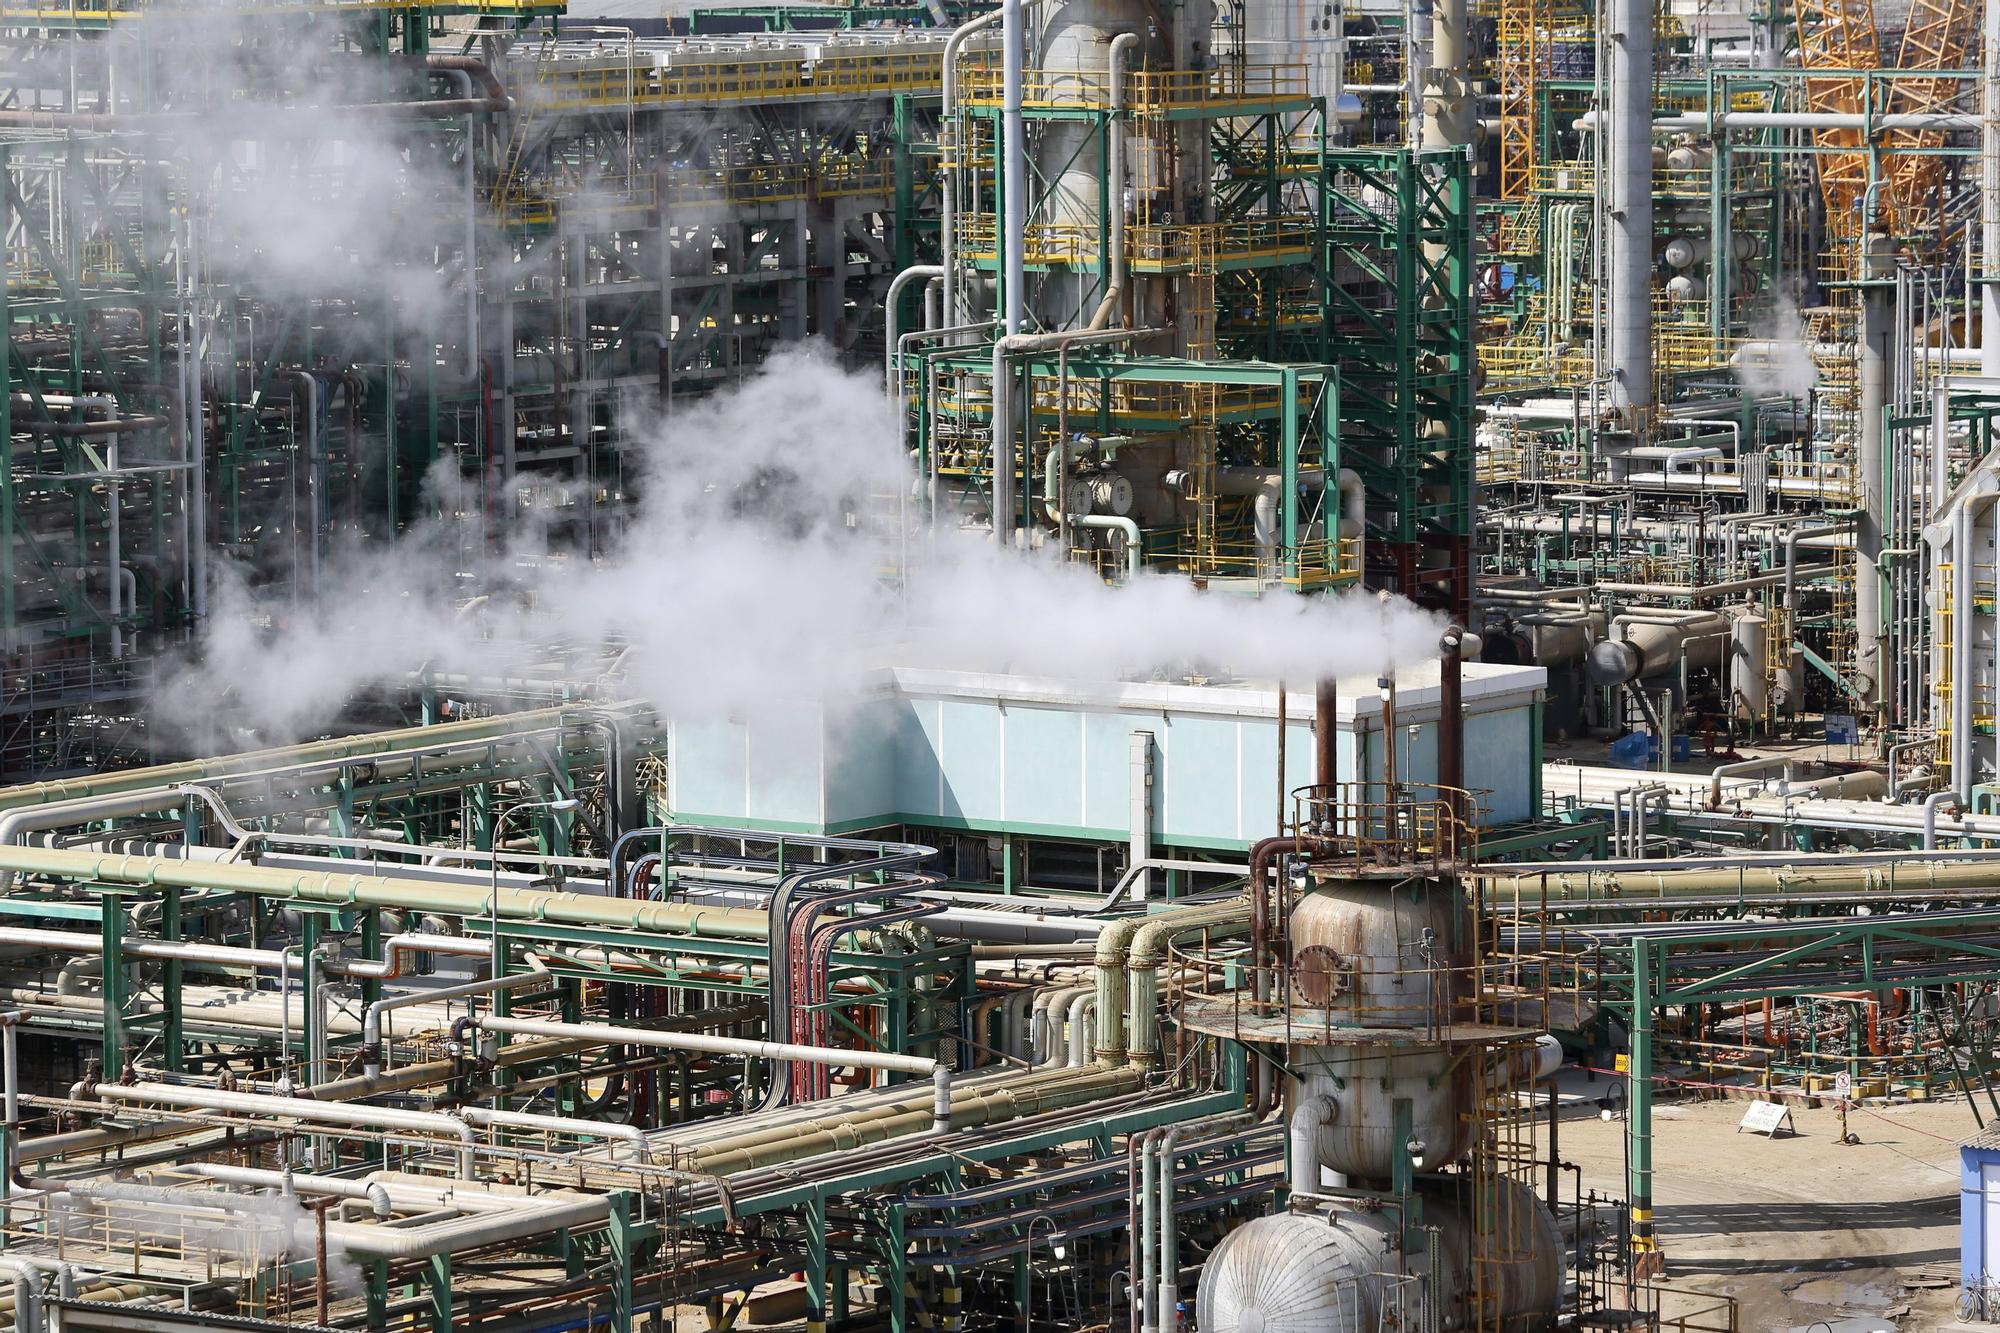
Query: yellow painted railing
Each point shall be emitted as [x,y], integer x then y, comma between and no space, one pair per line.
[737,76]
[1151,249]
[1745,174]
[1147,92]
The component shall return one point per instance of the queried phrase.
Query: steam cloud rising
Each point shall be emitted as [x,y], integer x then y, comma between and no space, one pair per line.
[1778,360]
[747,569]
[741,578]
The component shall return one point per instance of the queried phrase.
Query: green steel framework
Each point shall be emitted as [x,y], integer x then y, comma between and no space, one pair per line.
[1383,299]
[1398,294]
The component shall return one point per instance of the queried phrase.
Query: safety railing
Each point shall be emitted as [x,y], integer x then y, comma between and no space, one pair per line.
[1165,249]
[776,182]
[1306,566]
[1148,93]
[1153,400]
[737,76]
[540,202]
[1744,176]
[1149,248]
[1375,825]
[1659,1307]
[1132,401]
[1044,243]
[1321,995]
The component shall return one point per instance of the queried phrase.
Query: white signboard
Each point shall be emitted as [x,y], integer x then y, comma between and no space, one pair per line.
[1767,1118]
[1843,1086]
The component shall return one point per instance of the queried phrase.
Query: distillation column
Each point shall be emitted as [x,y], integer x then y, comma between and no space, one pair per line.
[1872,381]
[1631,201]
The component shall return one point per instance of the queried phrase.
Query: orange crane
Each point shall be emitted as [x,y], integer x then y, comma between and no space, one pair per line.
[1521,29]
[1840,35]
[1939,37]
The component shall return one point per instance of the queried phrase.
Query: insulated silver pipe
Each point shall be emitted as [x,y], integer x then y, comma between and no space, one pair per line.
[293,1108]
[1014,167]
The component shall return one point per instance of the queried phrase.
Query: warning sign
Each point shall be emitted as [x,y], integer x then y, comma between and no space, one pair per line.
[1769,1119]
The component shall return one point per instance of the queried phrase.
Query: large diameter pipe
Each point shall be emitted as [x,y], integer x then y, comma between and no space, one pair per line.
[1014,169]
[1151,943]
[1014,1098]
[1913,879]
[470,1233]
[1650,647]
[462,900]
[1326,732]
[628,1134]
[292,1108]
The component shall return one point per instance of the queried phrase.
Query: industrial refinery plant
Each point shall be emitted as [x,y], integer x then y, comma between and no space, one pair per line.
[1000,666]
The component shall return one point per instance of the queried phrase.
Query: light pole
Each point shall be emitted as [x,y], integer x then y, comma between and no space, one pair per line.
[1028,1269]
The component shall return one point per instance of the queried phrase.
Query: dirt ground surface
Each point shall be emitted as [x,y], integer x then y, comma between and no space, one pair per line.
[1799,1229]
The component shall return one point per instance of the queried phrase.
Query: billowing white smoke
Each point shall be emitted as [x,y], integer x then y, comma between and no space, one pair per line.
[1777,359]
[741,578]
[298,186]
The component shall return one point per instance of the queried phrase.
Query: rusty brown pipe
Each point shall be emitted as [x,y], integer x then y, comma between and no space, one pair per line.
[1451,726]
[482,74]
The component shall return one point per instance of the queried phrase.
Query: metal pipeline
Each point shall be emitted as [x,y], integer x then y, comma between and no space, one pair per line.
[333,752]
[1012,1096]
[1784,880]
[461,900]
[371,1017]
[631,1135]
[1150,946]
[288,1108]
[611,1035]
[1451,719]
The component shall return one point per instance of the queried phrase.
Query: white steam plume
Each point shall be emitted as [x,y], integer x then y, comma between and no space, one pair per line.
[740,578]
[1777,359]
[255,1230]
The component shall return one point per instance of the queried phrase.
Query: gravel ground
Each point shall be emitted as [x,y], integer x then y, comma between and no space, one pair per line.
[1798,1229]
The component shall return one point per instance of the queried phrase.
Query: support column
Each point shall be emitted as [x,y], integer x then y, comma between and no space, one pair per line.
[437,1284]
[815,1274]
[170,982]
[1141,817]
[620,1235]
[896,1274]
[1646,1259]
[112,987]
